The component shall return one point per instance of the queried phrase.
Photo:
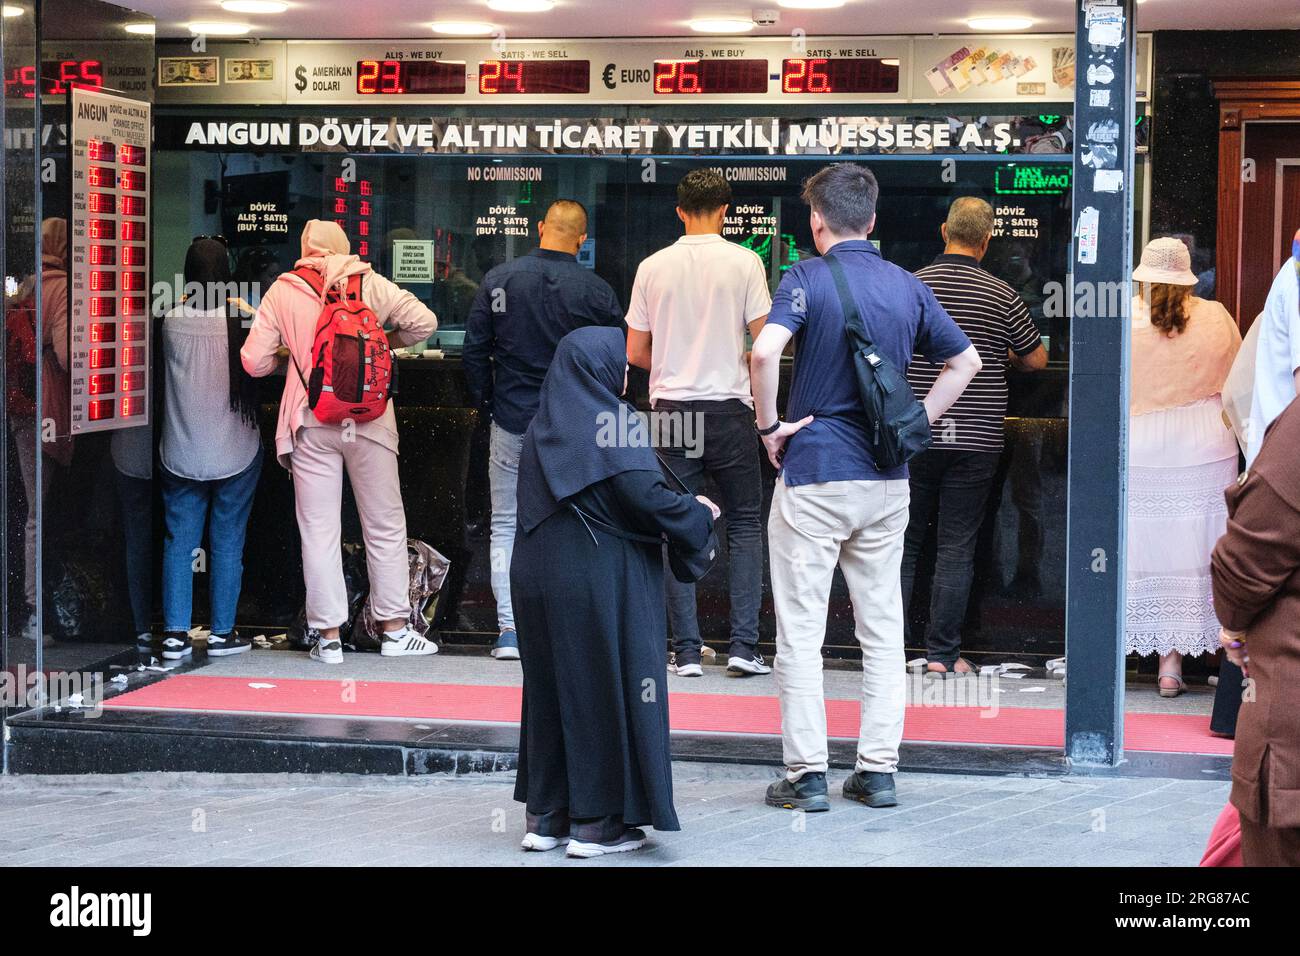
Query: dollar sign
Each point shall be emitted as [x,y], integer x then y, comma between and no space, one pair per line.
[301,74]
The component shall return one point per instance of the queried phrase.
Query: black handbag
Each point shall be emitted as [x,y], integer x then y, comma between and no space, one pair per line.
[686,566]
[898,426]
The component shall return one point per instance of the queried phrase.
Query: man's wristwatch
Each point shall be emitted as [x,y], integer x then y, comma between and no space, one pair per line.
[764,432]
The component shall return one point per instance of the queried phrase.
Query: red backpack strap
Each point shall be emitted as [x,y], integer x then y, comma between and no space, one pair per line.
[354,287]
[312,278]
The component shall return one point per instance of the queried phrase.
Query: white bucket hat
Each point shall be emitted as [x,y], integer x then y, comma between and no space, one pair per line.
[1166,261]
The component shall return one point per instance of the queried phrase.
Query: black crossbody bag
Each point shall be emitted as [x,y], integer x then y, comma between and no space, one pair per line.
[686,566]
[898,427]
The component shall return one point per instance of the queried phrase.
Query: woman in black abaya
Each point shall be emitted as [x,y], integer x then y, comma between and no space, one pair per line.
[589,606]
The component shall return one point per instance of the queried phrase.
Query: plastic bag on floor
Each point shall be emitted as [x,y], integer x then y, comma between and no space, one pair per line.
[355,580]
[427,572]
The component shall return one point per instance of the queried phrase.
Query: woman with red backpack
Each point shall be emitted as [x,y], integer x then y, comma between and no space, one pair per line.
[330,312]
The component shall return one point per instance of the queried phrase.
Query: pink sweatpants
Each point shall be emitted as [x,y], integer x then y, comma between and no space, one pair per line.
[319,457]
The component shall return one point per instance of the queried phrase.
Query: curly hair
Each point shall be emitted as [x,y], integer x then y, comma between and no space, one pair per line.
[1170,308]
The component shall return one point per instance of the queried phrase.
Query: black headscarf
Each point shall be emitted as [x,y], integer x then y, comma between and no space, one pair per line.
[208,261]
[577,437]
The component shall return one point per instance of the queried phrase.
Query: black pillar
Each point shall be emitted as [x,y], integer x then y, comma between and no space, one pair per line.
[1101,260]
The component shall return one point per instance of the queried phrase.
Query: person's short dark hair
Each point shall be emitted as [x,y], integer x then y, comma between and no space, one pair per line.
[702,190]
[844,195]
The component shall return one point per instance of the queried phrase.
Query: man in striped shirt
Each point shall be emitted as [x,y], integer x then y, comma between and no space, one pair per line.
[950,483]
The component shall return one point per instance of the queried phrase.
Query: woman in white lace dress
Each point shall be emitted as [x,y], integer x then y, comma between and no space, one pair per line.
[1181,458]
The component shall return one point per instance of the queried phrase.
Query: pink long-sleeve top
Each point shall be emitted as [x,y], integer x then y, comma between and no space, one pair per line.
[287,317]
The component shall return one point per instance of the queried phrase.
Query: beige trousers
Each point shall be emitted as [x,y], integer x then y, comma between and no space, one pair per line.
[319,457]
[858,525]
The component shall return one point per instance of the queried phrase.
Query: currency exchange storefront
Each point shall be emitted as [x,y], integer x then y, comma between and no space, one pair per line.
[438,160]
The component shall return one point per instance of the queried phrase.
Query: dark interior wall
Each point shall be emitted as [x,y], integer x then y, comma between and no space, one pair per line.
[1185,127]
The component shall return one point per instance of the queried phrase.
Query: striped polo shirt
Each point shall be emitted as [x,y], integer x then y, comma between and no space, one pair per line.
[996,319]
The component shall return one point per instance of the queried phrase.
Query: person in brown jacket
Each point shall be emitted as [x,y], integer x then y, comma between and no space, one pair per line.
[1256,568]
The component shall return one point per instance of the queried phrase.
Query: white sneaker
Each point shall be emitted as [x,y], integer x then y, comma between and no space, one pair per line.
[632,839]
[534,841]
[689,670]
[406,643]
[327,652]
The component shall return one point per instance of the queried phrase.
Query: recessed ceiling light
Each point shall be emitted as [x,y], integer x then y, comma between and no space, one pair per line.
[218,28]
[12,10]
[810,4]
[999,23]
[722,25]
[254,6]
[463,28]
[140,29]
[522,6]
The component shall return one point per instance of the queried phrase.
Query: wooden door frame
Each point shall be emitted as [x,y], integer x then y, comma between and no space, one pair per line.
[1241,101]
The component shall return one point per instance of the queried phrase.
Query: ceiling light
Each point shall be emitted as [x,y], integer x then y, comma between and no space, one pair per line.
[254,6]
[140,29]
[522,6]
[12,10]
[999,23]
[810,4]
[218,28]
[722,25]
[463,28]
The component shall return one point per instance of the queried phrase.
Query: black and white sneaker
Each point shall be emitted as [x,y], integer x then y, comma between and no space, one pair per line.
[687,664]
[630,839]
[176,645]
[327,652]
[406,643]
[746,661]
[223,645]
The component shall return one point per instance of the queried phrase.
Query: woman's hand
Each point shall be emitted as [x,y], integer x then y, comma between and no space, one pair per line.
[1234,645]
[775,442]
[713,509]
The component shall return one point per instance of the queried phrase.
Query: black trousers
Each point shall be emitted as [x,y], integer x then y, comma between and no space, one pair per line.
[950,487]
[725,449]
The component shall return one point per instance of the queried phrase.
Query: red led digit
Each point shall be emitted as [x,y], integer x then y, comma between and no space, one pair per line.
[103,384]
[390,77]
[363,208]
[101,203]
[340,206]
[133,255]
[366,188]
[368,76]
[100,409]
[131,405]
[103,255]
[340,184]
[101,229]
[132,382]
[363,248]
[132,231]
[102,280]
[130,205]
[132,305]
[100,150]
[130,155]
[101,177]
[103,333]
[132,179]
[104,358]
[363,228]
[132,355]
[102,307]
[489,76]
[133,281]
[132,331]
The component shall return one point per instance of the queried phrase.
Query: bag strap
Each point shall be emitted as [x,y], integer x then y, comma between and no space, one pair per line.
[313,279]
[354,287]
[664,464]
[852,319]
[588,519]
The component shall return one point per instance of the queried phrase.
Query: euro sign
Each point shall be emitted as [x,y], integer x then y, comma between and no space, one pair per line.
[608,76]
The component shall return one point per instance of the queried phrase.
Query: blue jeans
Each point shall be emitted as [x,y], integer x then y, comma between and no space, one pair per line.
[187,504]
[503,478]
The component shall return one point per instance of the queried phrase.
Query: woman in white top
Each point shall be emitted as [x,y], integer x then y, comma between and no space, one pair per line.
[316,453]
[1182,456]
[211,452]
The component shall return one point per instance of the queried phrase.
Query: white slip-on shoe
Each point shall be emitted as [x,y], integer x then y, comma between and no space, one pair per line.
[631,839]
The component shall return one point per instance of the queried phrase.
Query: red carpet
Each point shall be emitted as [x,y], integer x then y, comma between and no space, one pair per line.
[713,713]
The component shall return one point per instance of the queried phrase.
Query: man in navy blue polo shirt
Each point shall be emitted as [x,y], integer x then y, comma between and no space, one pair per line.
[520,313]
[832,505]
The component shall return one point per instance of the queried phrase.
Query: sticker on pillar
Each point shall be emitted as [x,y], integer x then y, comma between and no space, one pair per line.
[1086,234]
[1108,181]
[1105,23]
[1099,74]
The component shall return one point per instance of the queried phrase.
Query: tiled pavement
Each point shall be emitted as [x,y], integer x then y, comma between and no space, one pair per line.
[187,819]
